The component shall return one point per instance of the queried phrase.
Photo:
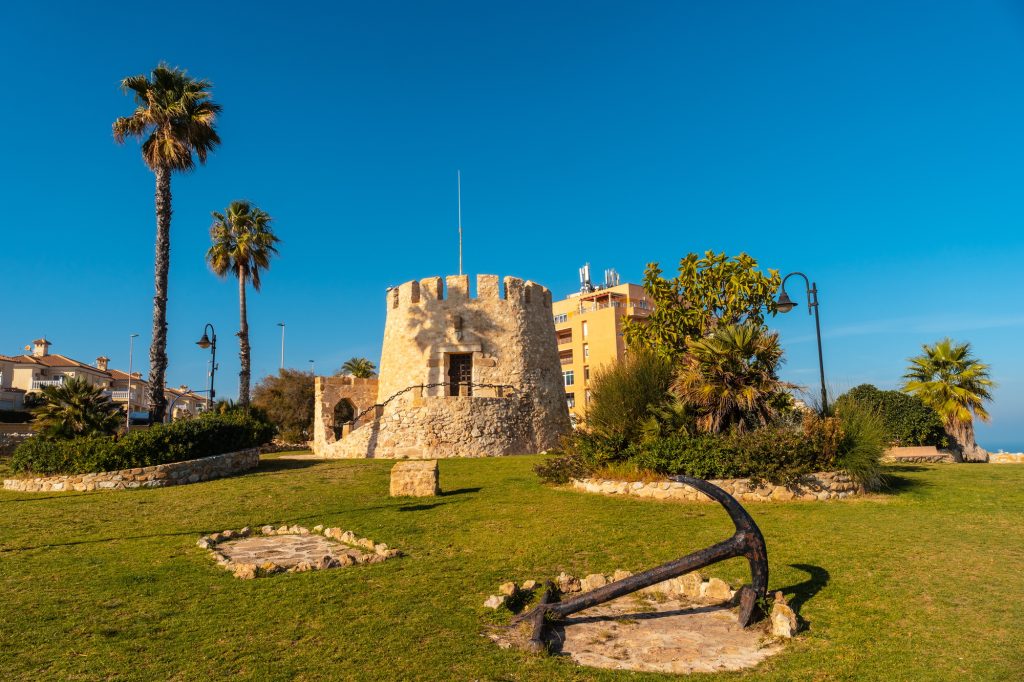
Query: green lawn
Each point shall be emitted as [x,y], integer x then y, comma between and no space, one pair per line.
[922,584]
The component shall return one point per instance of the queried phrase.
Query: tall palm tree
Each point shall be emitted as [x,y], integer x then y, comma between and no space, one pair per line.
[175,116]
[76,408]
[243,244]
[954,383]
[361,368]
[729,378]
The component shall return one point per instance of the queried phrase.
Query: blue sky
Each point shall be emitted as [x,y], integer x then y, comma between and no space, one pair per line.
[877,146]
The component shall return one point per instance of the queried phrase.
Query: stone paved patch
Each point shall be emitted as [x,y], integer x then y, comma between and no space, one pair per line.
[285,550]
[248,554]
[672,636]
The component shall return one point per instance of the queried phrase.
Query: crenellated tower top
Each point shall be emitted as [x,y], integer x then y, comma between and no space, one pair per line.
[453,290]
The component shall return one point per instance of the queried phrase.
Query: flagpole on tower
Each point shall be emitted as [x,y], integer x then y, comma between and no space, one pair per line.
[458,175]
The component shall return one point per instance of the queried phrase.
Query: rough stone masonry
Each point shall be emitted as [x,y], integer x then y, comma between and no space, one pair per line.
[460,376]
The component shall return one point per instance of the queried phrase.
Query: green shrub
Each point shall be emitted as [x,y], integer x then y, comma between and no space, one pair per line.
[561,469]
[777,455]
[622,395]
[863,442]
[705,456]
[203,436]
[906,419]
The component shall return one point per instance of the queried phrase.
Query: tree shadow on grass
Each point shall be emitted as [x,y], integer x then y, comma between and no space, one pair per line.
[72,543]
[271,466]
[894,484]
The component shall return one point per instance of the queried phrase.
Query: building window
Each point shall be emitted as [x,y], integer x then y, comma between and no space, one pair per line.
[570,400]
[564,337]
[569,377]
[563,317]
[586,350]
[586,373]
[565,357]
[584,329]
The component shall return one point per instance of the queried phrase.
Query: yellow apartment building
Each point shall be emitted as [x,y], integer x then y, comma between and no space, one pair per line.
[588,326]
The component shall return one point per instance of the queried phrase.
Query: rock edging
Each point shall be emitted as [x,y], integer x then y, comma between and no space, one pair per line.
[156,476]
[821,486]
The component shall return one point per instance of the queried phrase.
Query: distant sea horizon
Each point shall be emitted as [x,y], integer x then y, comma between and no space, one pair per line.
[996,446]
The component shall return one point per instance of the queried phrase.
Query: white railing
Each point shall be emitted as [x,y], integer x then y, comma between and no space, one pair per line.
[42,383]
[118,395]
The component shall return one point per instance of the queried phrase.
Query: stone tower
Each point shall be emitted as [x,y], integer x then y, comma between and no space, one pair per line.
[460,376]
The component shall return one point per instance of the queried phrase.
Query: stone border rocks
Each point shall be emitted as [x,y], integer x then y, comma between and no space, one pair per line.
[826,485]
[374,553]
[157,476]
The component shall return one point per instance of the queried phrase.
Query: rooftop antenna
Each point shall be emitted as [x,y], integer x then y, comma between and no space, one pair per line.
[458,175]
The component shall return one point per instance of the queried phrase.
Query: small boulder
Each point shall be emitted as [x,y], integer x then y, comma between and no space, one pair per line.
[690,584]
[621,575]
[346,560]
[567,583]
[319,528]
[302,567]
[507,589]
[270,568]
[495,601]
[205,543]
[783,618]
[245,532]
[245,571]
[716,590]
[530,585]
[282,530]
[380,548]
[593,581]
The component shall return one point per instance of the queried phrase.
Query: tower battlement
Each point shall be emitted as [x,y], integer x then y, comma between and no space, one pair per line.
[454,290]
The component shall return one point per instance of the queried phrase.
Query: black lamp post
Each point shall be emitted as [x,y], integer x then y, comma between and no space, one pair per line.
[785,304]
[211,343]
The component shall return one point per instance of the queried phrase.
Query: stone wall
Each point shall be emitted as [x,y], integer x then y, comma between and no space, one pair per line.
[329,391]
[919,454]
[822,486]
[158,476]
[516,404]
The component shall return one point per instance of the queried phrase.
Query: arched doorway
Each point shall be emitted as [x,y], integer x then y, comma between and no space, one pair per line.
[344,412]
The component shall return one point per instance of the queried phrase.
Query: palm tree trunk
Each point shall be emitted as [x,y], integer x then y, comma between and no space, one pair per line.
[963,434]
[243,341]
[158,347]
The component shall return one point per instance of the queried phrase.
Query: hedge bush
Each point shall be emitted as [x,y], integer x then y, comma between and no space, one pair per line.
[906,419]
[780,455]
[203,436]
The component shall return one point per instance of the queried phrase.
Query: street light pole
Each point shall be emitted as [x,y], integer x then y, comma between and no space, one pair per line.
[281,325]
[131,351]
[211,343]
[312,368]
[785,304]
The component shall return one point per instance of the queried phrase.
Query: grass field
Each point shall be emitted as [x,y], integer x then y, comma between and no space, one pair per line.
[923,583]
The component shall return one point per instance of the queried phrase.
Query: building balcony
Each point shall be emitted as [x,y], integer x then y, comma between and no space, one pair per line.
[38,384]
[117,396]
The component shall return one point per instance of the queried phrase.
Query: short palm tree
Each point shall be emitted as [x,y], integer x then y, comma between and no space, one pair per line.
[947,378]
[243,244]
[361,368]
[729,378]
[76,408]
[175,116]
